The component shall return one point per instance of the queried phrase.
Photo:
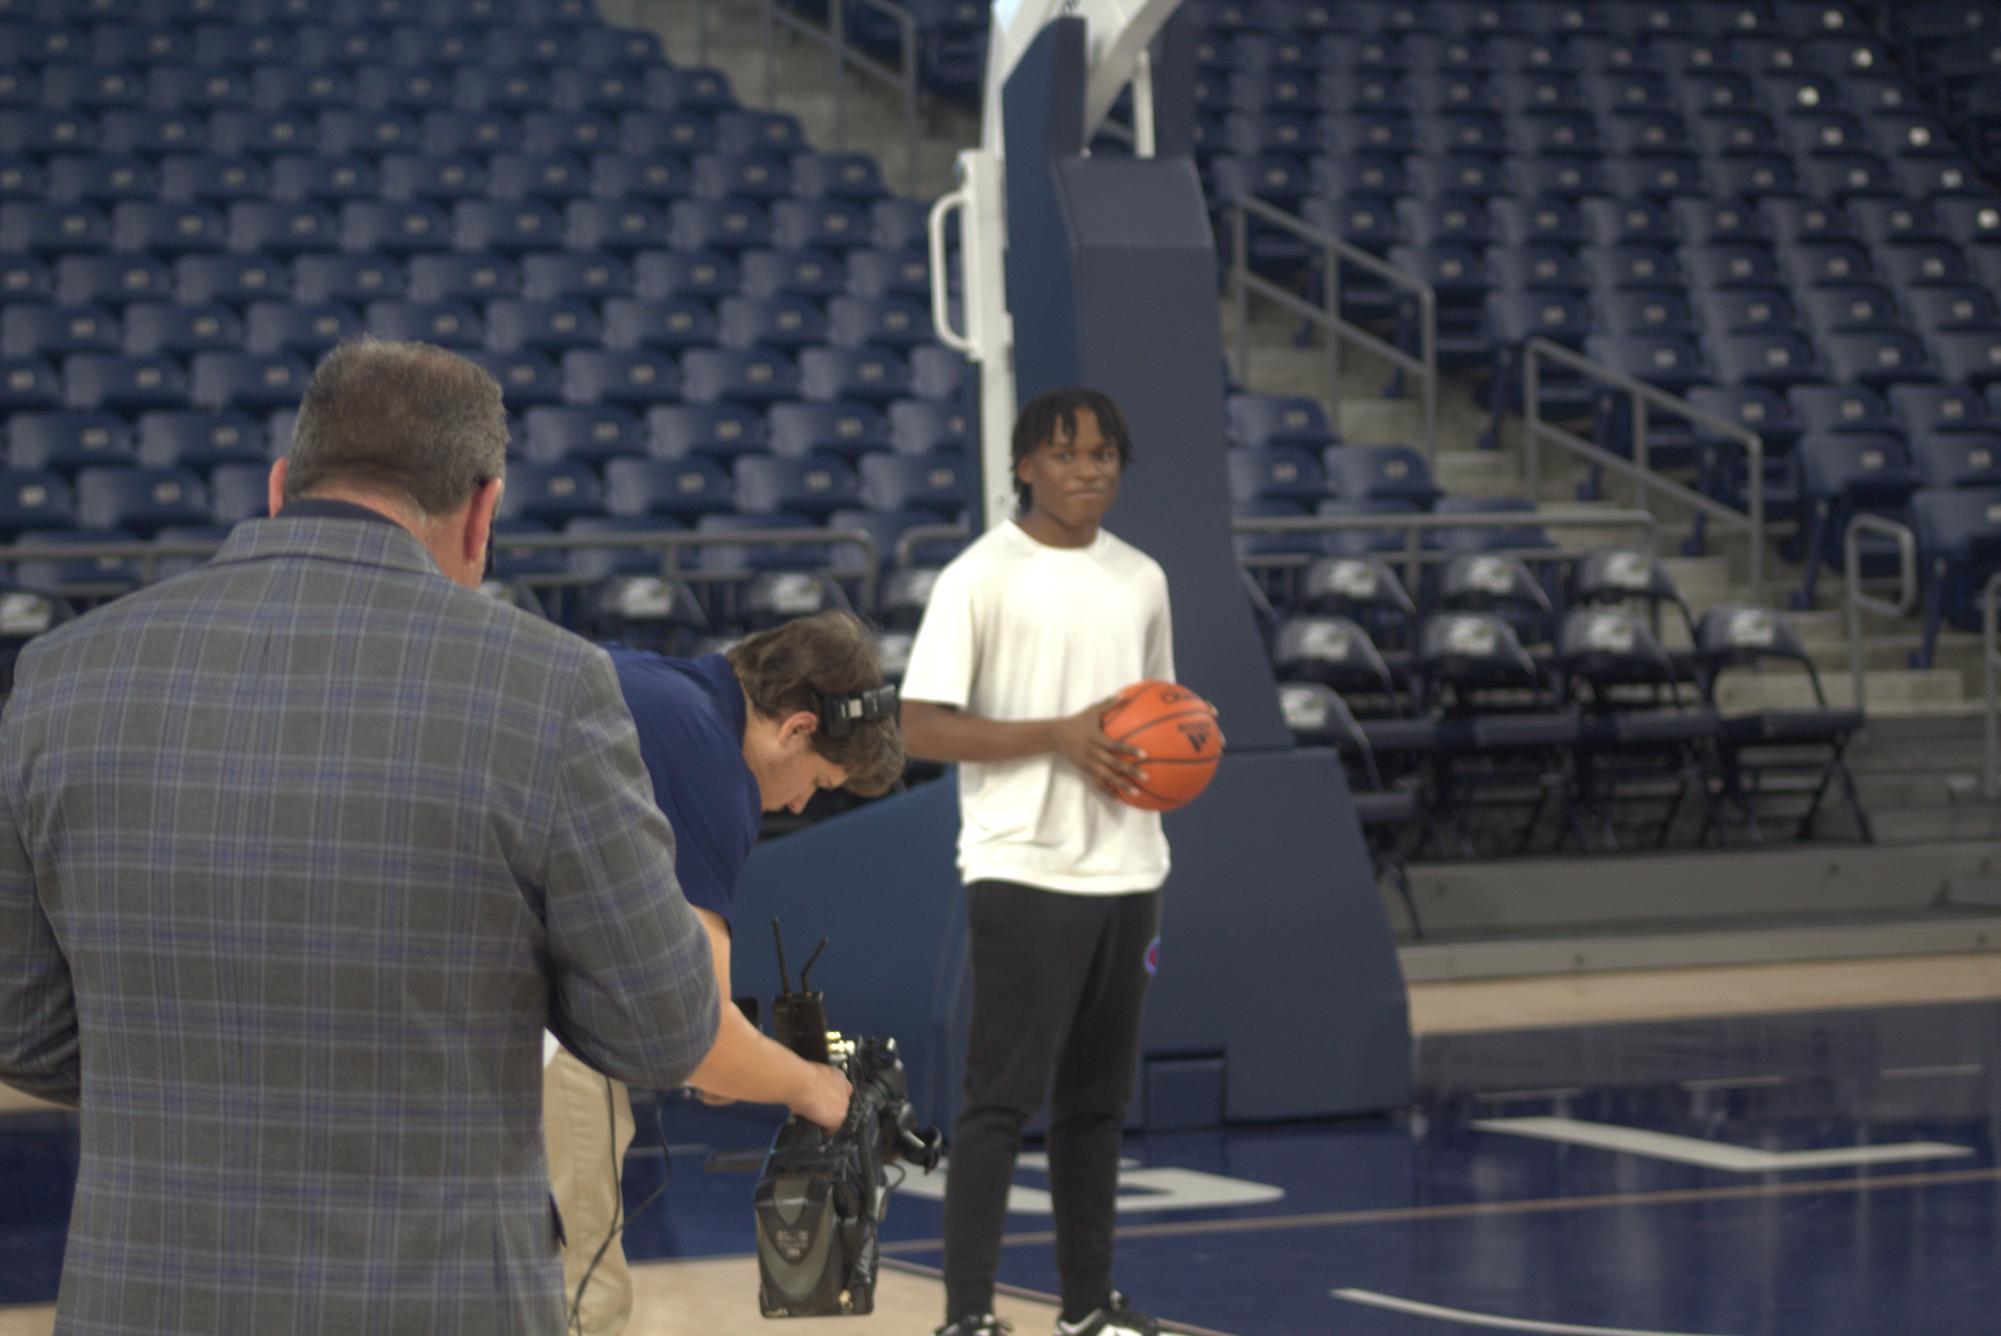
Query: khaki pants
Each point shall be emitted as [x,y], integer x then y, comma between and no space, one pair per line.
[586,1155]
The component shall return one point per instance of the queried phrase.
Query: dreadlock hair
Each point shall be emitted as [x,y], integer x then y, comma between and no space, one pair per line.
[791,666]
[1052,416]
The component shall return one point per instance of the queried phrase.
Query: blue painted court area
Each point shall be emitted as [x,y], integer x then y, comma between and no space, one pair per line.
[1833,1174]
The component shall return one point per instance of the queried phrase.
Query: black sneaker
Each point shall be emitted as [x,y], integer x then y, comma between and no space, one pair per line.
[1116,1318]
[986,1324]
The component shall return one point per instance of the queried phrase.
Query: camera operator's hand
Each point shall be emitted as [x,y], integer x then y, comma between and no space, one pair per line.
[826,1097]
[1081,740]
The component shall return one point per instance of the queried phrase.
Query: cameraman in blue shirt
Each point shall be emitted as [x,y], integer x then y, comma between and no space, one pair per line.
[785,713]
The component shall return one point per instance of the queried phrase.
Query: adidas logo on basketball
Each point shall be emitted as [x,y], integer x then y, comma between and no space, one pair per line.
[1198,735]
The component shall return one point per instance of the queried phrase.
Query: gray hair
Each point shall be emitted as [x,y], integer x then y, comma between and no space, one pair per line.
[407,418]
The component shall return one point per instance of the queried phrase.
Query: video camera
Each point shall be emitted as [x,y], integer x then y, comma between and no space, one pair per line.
[821,1198]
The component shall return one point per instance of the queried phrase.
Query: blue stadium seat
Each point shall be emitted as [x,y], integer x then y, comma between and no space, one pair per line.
[545,132]
[552,492]
[96,576]
[1879,360]
[290,88]
[786,323]
[709,275]
[1716,221]
[867,374]
[368,133]
[811,274]
[852,176]
[671,325]
[271,227]
[898,224]
[526,377]
[27,383]
[1485,538]
[91,180]
[439,179]
[919,427]
[1884,222]
[236,280]
[1843,475]
[888,322]
[872,272]
[1970,357]
[1622,268]
[1543,268]
[21,178]
[54,229]
[1263,420]
[450,133]
[1958,533]
[354,279]
[308,329]
[1852,308]
[1275,473]
[1778,359]
[463,277]
[34,501]
[270,134]
[1949,309]
[636,378]
[1380,473]
[1923,265]
[1821,409]
[117,382]
[508,227]
[846,431]
[1645,312]
[739,131]
[754,176]
[938,373]
[1958,459]
[939,484]
[547,177]
[545,326]
[213,179]
[690,88]
[390,228]
[403,88]
[601,91]
[167,229]
[1926,410]
[449,324]
[676,134]
[746,376]
[501,89]
[300,178]
[36,330]
[684,489]
[591,434]
[202,441]
[598,564]
[730,227]
[249,381]
[823,224]
[659,179]
[755,555]
[66,442]
[43,132]
[817,486]
[1746,310]
[140,499]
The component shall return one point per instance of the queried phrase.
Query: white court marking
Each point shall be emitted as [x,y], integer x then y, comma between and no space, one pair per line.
[1492,1323]
[1163,1189]
[1713,1154]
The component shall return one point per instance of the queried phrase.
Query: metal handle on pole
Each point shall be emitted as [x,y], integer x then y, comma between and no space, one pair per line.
[956,200]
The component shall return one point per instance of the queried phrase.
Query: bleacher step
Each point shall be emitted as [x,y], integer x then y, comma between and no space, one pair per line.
[1889,690]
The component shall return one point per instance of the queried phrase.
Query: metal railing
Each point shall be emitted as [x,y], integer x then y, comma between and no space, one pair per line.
[1646,481]
[1414,555]
[1859,602]
[1990,672]
[775,15]
[1327,316]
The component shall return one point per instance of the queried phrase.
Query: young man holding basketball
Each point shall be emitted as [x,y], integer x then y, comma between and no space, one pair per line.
[1028,635]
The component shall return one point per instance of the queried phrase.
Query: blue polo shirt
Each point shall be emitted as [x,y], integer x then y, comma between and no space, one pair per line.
[690,714]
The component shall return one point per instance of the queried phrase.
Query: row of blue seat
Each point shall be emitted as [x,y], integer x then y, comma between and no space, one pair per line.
[553,324]
[292,14]
[203,439]
[633,378]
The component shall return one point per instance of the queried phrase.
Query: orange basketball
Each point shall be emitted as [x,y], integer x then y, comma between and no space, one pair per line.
[1178,732]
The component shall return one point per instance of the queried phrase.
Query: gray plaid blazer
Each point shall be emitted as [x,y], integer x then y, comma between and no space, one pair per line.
[298,855]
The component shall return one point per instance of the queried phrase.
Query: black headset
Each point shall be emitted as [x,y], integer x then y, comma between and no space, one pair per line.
[840,714]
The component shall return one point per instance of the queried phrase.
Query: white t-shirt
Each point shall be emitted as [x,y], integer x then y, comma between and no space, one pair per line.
[1017,629]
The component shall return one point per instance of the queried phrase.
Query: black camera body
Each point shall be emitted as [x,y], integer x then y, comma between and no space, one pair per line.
[821,1198]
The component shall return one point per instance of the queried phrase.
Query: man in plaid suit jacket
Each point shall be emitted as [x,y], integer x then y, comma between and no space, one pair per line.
[299,853]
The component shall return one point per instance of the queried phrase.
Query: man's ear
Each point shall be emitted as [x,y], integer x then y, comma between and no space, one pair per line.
[479,522]
[800,724]
[274,499]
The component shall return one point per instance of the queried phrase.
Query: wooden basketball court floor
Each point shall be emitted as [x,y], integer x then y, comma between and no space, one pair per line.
[1775,1150]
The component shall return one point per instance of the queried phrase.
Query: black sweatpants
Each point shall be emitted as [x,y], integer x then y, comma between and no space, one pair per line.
[1058,981]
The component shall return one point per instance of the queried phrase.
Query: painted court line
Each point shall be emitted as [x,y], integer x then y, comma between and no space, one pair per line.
[1465,1318]
[1384,1215]
[1713,1154]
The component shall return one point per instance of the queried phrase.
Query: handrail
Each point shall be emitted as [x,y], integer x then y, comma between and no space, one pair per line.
[667,542]
[1990,671]
[774,14]
[1858,602]
[1414,555]
[954,201]
[1752,521]
[1327,315]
